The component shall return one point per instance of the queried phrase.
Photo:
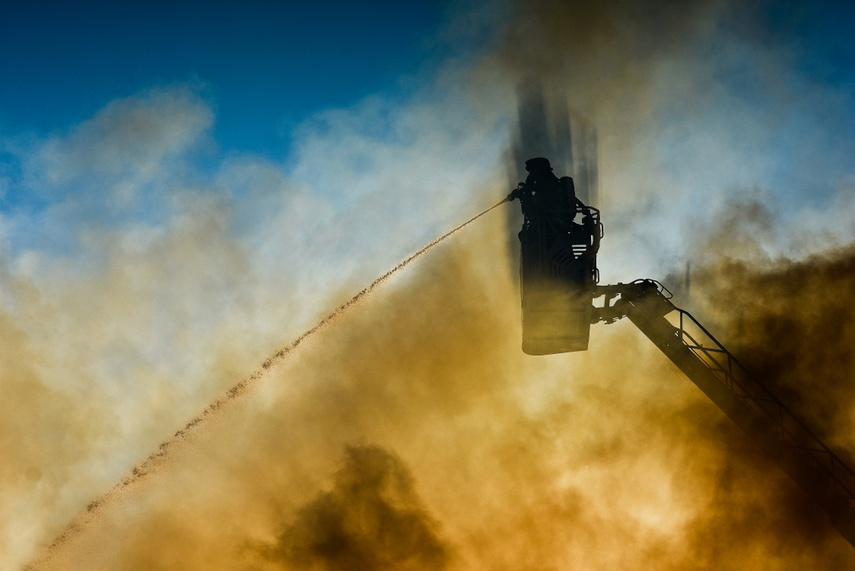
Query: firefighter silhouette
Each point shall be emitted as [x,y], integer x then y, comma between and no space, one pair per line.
[548,202]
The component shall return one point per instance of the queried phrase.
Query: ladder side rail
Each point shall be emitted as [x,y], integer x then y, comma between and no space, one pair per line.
[728,374]
[766,402]
[709,356]
[821,480]
[790,426]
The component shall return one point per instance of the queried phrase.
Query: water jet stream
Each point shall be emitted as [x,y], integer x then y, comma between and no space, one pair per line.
[156,459]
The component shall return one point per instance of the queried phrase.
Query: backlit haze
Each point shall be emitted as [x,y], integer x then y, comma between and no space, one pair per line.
[182,198]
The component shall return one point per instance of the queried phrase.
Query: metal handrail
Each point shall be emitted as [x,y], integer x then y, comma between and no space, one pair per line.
[745,386]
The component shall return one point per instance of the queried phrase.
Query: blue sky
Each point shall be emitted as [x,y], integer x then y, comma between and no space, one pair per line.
[267,65]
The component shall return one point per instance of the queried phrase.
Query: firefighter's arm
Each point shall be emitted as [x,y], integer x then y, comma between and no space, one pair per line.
[515,193]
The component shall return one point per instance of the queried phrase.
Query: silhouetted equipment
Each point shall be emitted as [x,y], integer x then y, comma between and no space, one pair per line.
[781,435]
[558,243]
[559,286]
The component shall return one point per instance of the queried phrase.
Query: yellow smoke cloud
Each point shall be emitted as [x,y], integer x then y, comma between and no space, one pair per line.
[413,432]
[492,460]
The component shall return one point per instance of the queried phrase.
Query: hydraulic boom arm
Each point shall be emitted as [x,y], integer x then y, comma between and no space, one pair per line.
[741,396]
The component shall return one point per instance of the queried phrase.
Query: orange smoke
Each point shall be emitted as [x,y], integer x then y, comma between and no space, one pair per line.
[414,433]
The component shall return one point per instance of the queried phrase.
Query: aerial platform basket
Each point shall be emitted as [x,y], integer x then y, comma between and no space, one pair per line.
[558,273]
